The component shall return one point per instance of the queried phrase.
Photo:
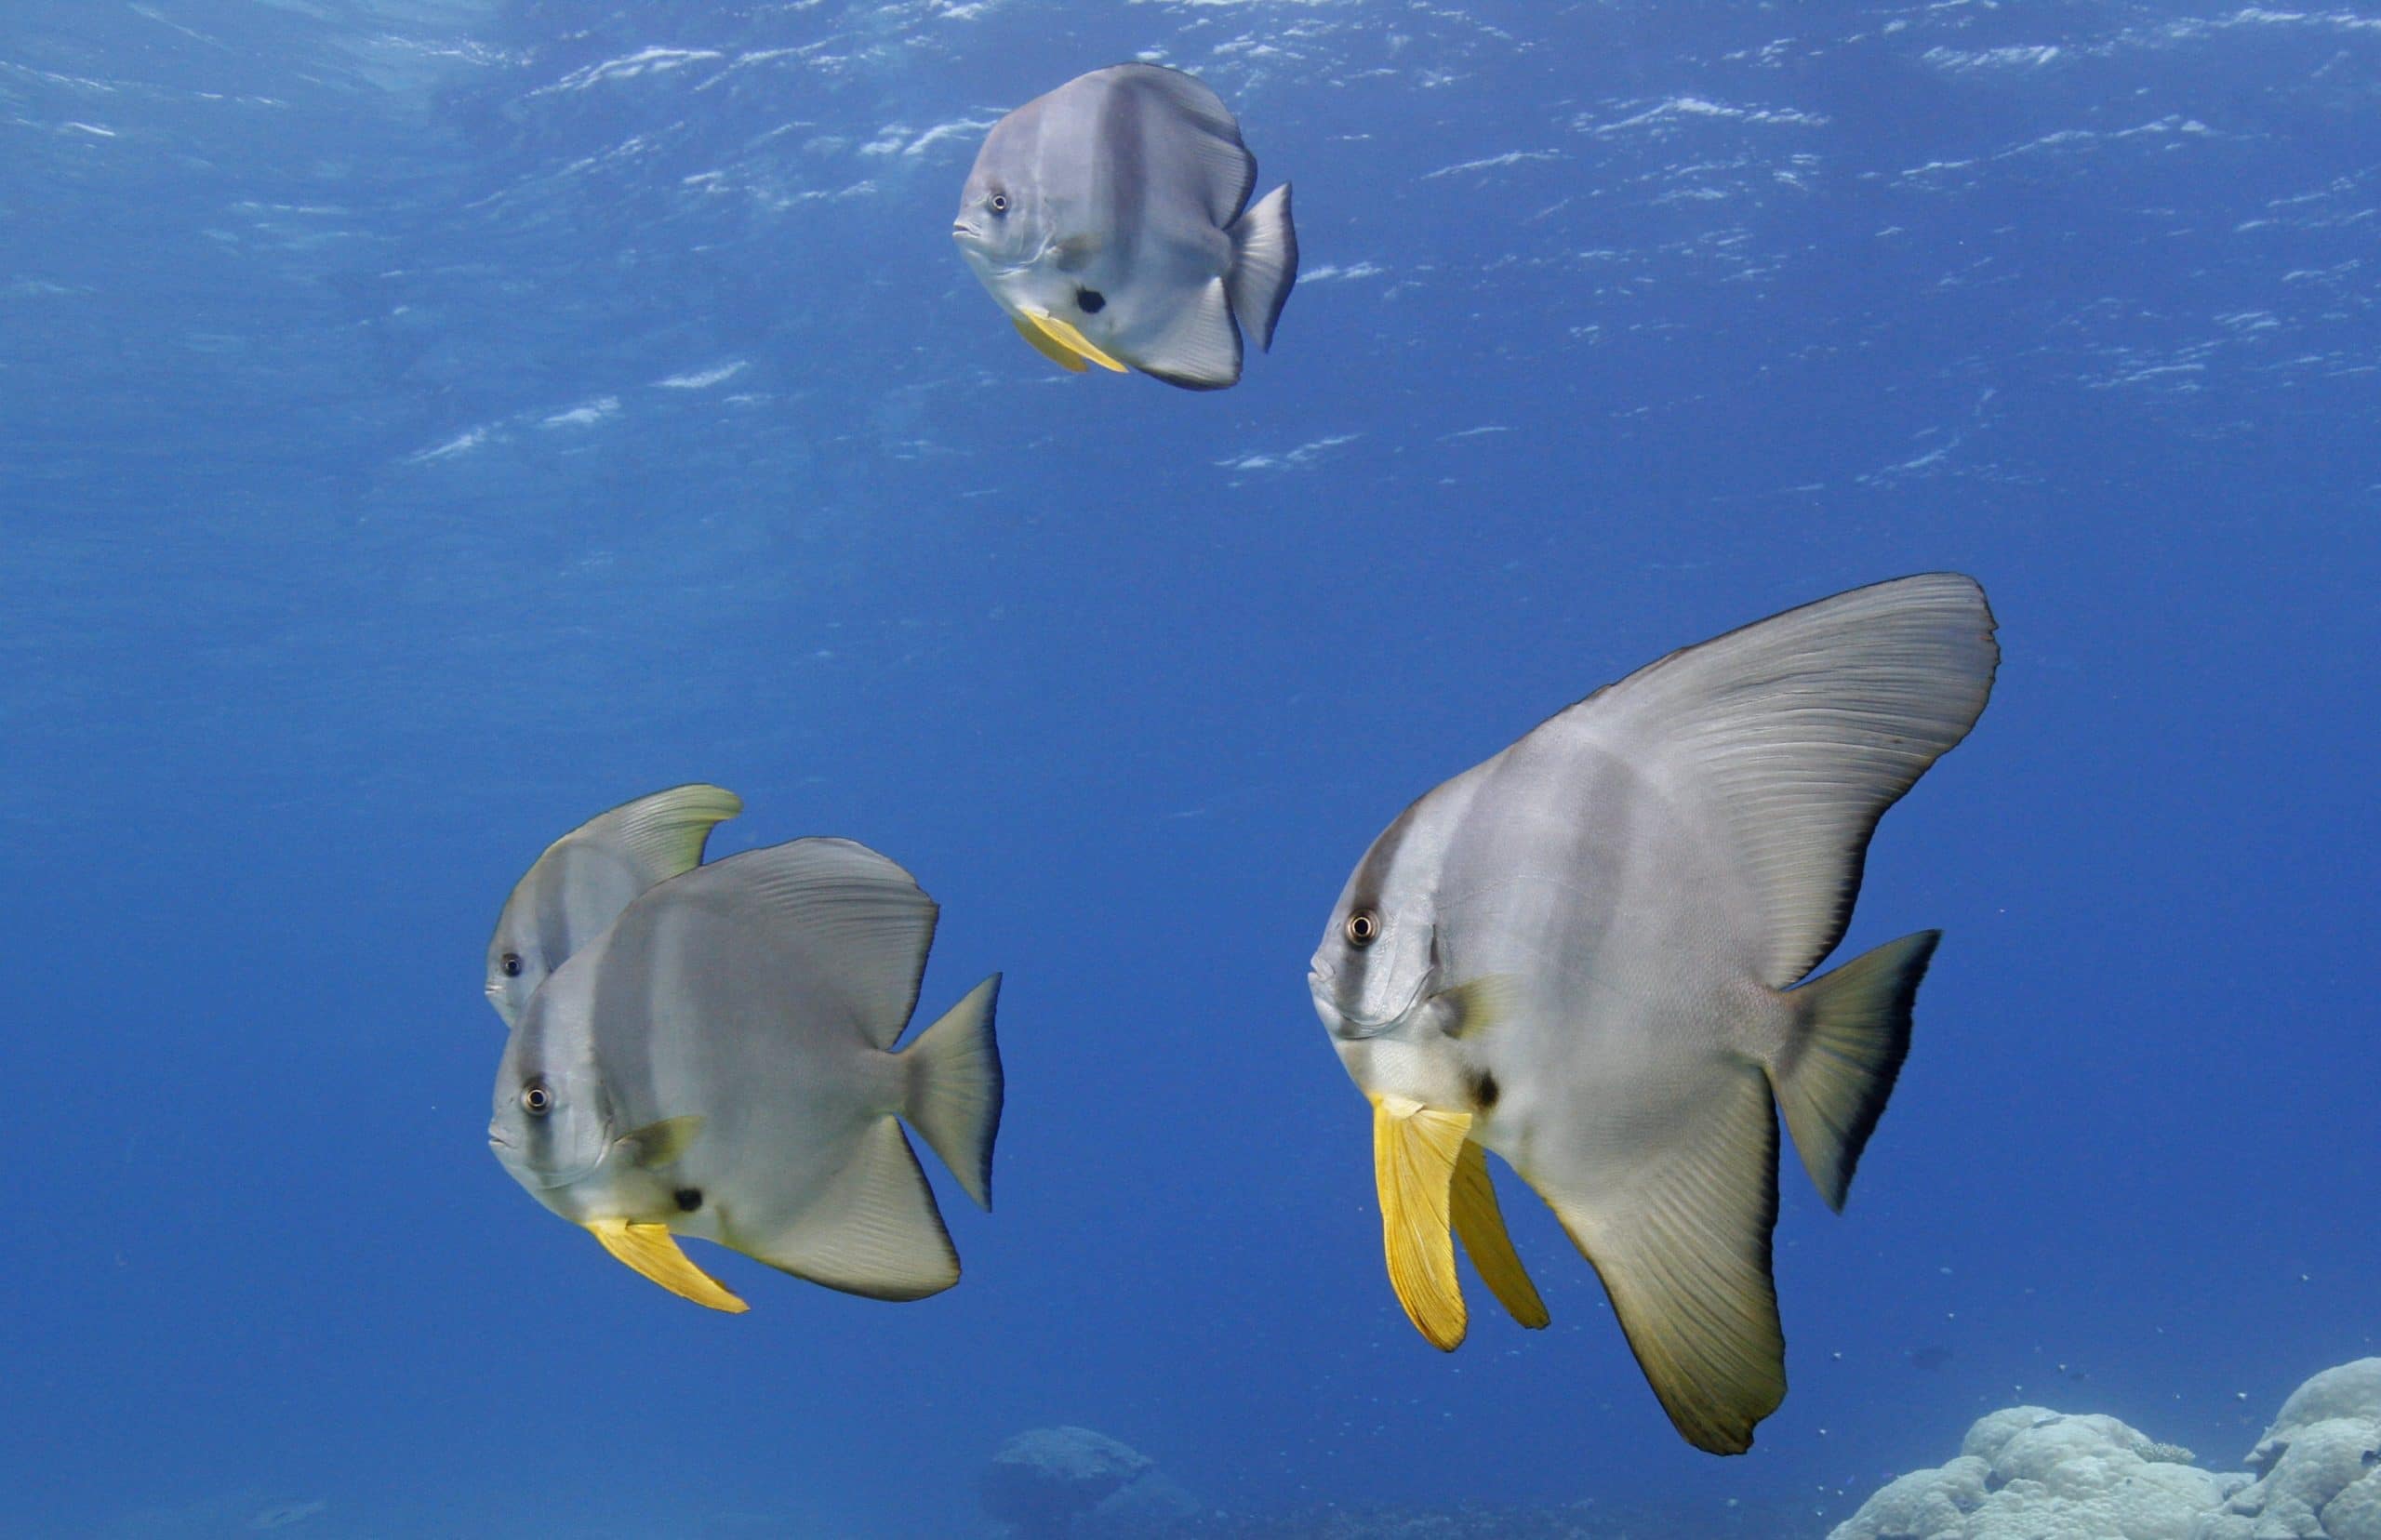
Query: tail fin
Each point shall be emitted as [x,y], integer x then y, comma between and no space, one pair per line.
[1264,263]
[1852,1034]
[955,1088]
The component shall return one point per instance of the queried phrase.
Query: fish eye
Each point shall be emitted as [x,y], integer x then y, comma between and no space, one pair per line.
[1363,928]
[536,1100]
[511,963]
[1000,202]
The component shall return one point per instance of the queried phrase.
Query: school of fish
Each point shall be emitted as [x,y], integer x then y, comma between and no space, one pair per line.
[718,1059]
[1592,956]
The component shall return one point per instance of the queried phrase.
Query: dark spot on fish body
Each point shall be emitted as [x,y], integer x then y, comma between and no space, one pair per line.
[1091,301]
[1485,1092]
[689,1199]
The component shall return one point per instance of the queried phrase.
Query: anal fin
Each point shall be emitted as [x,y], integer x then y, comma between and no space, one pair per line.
[1200,348]
[652,1250]
[1682,1242]
[1415,1151]
[873,1229]
[1480,1225]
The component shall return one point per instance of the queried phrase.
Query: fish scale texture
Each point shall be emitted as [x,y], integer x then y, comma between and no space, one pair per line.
[2030,1473]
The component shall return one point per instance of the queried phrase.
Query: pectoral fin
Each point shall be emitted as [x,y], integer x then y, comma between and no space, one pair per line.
[1048,349]
[657,1144]
[1468,1009]
[1480,1226]
[1414,1151]
[1066,335]
[653,1251]
[1075,252]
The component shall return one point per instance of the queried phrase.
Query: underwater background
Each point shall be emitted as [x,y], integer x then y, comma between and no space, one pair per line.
[425,425]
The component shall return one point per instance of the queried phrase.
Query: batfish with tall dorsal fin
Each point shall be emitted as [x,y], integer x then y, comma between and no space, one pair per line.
[1110,220]
[721,1063]
[582,882]
[1589,956]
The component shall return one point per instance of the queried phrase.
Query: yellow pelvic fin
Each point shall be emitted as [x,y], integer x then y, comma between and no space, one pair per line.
[1414,1159]
[653,1251]
[1065,335]
[1071,363]
[1480,1226]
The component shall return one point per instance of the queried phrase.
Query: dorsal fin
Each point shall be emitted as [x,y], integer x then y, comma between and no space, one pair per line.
[862,918]
[1200,144]
[1799,731]
[663,834]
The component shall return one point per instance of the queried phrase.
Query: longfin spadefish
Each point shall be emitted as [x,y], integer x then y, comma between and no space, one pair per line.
[1043,343]
[653,1251]
[1066,335]
[1414,1149]
[1480,1224]
[580,883]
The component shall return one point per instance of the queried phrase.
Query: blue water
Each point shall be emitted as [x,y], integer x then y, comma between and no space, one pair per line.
[424,424]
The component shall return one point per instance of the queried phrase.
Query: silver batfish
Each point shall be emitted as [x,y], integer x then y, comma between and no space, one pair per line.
[719,1063]
[583,879]
[1107,220]
[1589,955]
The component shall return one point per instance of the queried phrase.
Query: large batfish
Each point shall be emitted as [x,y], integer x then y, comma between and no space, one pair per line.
[1107,220]
[583,879]
[719,1063]
[1589,955]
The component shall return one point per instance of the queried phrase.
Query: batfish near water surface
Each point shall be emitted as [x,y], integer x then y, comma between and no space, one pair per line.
[1107,218]
[719,1063]
[583,881]
[1589,955]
